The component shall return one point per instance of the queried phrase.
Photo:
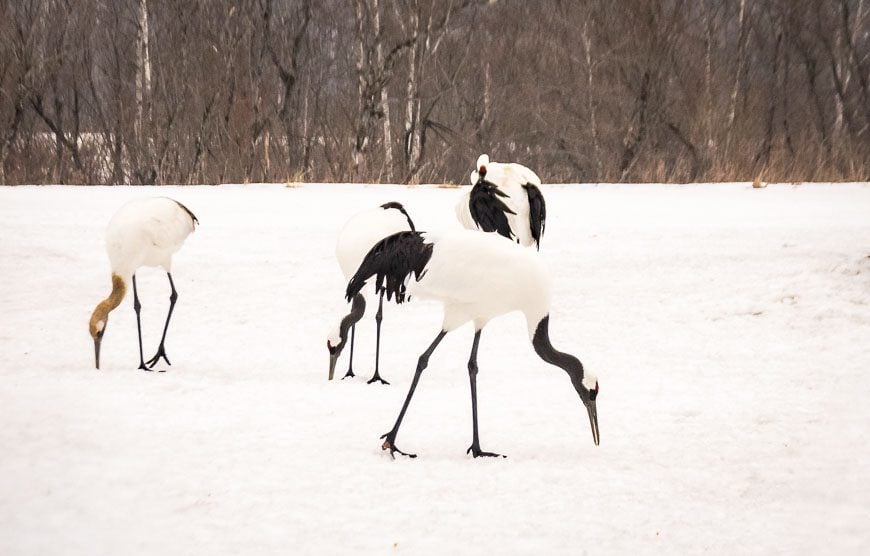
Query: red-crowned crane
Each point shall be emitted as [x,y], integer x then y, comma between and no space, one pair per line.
[506,199]
[143,232]
[456,268]
[357,236]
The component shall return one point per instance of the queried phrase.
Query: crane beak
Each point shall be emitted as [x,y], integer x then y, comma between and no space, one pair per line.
[97,341]
[333,359]
[592,409]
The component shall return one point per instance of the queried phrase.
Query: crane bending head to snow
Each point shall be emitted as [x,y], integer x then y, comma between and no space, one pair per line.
[505,198]
[144,232]
[456,269]
[358,235]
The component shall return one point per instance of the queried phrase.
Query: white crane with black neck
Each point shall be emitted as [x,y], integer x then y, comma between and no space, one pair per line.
[358,235]
[456,268]
[504,198]
[143,232]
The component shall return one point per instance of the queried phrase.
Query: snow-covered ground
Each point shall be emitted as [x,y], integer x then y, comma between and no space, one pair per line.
[729,328]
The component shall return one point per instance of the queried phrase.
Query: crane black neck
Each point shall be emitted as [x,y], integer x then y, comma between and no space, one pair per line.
[357,310]
[546,351]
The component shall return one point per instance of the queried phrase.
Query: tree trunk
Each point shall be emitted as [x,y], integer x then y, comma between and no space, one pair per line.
[412,101]
[741,57]
[385,96]
[596,147]
[143,91]
[709,143]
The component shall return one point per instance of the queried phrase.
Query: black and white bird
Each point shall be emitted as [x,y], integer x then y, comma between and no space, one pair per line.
[505,198]
[456,269]
[356,238]
[143,232]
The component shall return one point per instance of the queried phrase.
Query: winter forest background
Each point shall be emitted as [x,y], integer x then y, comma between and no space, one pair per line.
[212,91]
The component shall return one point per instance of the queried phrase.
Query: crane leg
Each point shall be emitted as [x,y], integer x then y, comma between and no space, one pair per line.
[379,316]
[138,307]
[474,449]
[350,362]
[422,363]
[161,351]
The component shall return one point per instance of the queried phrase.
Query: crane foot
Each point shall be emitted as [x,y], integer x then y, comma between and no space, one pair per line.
[389,444]
[475,451]
[377,378]
[160,353]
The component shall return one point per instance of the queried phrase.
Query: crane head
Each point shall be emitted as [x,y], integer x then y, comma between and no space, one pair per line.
[482,162]
[592,410]
[334,343]
[479,172]
[587,389]
[98,328]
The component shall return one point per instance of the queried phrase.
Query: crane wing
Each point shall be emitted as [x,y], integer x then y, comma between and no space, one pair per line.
[392,261]
[488,210]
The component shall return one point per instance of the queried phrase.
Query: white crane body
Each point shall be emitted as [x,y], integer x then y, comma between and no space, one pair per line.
[147,232]
[358,235]
[516,197]
[477,277]
[143,232]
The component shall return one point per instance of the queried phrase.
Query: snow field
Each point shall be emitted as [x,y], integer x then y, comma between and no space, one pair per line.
[729,328]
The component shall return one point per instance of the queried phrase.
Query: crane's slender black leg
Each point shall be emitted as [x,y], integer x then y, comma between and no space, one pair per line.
[350,363]
[422,363]
[379,316]
[137,307]
[161,351]
[474,449]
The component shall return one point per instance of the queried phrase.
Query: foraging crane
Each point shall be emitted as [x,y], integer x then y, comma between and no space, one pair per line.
[505,198]
[456,268]
[144,232]
[357,236]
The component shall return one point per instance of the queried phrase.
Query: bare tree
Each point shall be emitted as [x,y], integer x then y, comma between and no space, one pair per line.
[211,91]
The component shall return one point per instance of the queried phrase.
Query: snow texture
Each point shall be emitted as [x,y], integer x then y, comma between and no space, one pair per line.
[729,328]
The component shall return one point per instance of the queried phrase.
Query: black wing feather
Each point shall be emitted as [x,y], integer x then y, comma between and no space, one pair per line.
[487,210]
[398,206]
[537,212]
[392,260]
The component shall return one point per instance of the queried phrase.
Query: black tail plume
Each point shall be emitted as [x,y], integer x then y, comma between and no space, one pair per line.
[488,211]
[537,212]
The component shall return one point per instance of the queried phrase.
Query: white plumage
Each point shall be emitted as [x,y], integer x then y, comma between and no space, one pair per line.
[147,232]
[362,231]
[514,181]
[143,232]
[479,276]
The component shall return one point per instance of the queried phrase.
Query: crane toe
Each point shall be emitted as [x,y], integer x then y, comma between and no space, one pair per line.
[389,444]
[161,352]
[476,452]
[377,378]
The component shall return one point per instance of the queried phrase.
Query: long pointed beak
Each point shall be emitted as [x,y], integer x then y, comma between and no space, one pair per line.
[333,359]
[592,409]
[97,342]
